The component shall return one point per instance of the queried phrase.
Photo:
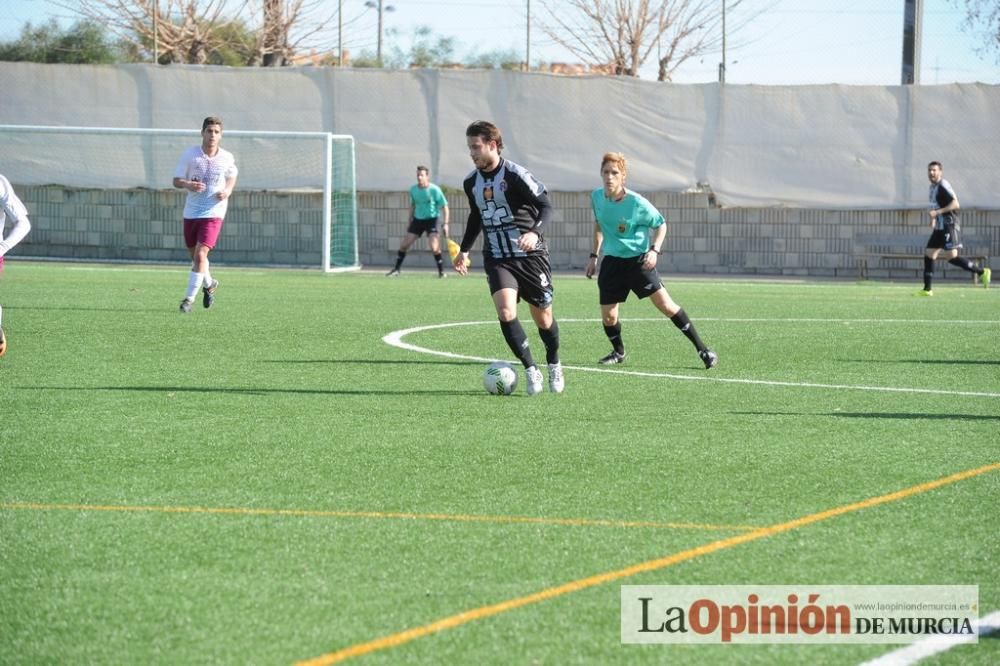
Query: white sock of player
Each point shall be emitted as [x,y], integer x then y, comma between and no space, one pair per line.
[194,283]
[208,277]
[1,314]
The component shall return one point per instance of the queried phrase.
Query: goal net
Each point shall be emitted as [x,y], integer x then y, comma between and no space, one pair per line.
[113,158]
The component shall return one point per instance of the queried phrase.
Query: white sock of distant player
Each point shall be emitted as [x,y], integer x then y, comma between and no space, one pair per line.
[194,283]
[1,315]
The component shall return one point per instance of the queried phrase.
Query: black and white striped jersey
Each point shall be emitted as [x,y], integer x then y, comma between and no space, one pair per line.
[941,195]
[504,204]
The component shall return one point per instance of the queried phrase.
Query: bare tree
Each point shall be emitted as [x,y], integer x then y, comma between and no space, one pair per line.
[983,17]
[619,36]
[187,31]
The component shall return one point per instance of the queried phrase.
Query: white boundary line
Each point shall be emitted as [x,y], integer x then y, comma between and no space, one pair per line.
[768,320]
[395,339]
[928,647]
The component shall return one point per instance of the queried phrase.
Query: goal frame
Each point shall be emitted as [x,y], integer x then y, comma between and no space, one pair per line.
[328,185]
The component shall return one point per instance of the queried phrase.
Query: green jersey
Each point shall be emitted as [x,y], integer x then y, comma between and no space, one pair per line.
[625,224]
[427,201]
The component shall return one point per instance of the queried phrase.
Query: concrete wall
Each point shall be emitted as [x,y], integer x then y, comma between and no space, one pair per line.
[278,228]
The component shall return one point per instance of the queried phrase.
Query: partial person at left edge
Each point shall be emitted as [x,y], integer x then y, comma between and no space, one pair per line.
[208,173]
[13,211]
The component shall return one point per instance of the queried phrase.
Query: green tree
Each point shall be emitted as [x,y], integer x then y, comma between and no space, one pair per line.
[426,50]
[235,45]
[497,59]
[83,43]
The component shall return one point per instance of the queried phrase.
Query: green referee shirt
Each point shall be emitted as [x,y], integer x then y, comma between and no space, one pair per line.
[427,201]
[625,224]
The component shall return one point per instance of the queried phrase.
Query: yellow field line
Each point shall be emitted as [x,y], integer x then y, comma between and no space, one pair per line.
[574,522]
[450,622]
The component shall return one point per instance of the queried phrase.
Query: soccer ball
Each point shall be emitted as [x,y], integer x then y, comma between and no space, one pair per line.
[500,378]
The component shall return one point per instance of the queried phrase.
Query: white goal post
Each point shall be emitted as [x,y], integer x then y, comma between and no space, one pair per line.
[130,158]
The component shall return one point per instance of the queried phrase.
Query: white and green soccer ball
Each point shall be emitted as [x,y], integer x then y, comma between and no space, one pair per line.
[500,378]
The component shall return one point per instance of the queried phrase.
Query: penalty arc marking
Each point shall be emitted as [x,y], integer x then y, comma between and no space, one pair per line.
[395,339]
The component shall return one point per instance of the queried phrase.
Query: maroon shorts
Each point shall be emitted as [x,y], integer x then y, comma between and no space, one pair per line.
[203,230]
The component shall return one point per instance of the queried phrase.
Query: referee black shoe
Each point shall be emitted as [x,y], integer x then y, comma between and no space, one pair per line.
[709,358]
[612,358]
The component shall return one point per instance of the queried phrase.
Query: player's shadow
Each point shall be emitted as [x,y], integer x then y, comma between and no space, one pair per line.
[921,361]
[366,361]
[255,391]
[899,416]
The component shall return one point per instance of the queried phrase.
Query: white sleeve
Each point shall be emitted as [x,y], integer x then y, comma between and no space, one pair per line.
[14,211]
[180,171]
[232,171]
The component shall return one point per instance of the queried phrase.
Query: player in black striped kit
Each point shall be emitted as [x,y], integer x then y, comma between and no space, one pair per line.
[511,208]
[944,241]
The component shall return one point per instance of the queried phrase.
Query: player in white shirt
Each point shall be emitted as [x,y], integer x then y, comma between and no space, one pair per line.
[13,211]
[208,173]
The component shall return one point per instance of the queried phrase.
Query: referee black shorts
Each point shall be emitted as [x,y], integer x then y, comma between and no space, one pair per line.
[619,276]
[420,227]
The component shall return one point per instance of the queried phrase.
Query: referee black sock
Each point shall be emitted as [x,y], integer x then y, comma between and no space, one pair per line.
[517,340]
[550,338]
[614,334]
[437,259]
[400,255]
[682,322]
[928,273]
[964,263]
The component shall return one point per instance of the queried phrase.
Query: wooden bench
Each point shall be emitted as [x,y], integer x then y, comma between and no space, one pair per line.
[875,247]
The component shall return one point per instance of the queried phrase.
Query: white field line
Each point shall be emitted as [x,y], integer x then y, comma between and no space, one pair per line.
[928,647]
[395,339]
[769,320]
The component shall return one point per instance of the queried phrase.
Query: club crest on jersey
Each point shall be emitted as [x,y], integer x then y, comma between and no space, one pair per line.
[503,185]
[488,193]
[622,227]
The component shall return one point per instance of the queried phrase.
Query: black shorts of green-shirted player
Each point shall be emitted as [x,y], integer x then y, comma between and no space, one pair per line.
[511,208]
[944,242]
[631,231]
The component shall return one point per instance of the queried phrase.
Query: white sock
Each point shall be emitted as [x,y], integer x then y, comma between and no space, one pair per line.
[208,278]
[194,282]
[1,314]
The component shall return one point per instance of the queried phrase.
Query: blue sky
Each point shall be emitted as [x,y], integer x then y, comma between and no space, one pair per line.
[793,42]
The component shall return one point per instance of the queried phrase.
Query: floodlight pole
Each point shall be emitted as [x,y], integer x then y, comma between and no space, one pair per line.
[527,41]
[340,33]
[913,11]
[156,32]
[381,7]
[379,47]
[722,65]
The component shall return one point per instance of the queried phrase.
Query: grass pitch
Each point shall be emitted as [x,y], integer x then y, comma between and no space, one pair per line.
[270,481]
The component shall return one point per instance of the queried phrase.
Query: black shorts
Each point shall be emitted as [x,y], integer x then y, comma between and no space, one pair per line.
[419,227]
[944,239]
[620,276]
[530,276]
